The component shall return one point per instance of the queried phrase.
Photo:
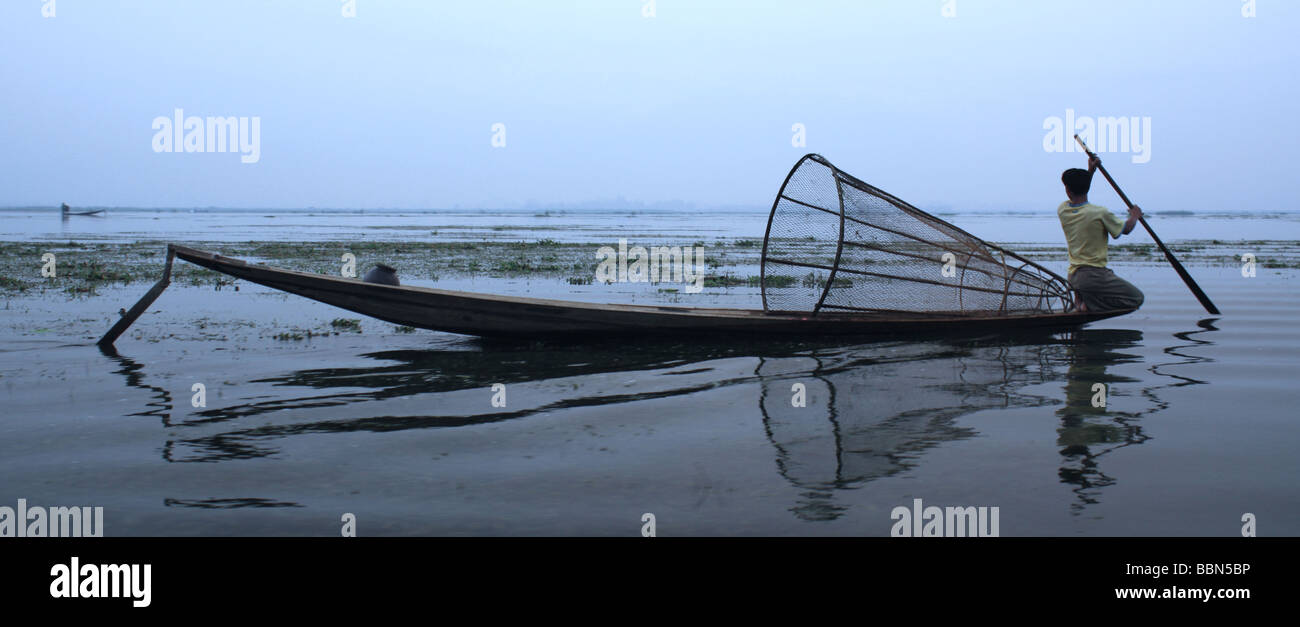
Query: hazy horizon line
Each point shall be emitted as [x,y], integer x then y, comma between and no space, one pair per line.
[656,207]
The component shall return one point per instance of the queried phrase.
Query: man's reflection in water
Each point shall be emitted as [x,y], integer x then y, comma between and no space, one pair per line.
[1088,432]
[1092,423]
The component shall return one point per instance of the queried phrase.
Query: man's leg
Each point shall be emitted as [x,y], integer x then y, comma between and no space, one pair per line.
[1125,294]
[1101,290]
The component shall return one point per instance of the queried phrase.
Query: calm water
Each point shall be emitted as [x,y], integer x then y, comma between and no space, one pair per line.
[572,225]
[400,429]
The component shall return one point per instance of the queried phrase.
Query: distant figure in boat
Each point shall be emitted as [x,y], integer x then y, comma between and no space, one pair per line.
[67,211]
[1086,229]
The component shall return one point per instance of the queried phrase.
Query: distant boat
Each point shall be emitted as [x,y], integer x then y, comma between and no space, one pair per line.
[67,211]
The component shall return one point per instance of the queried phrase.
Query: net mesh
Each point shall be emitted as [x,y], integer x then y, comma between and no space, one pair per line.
[835,244]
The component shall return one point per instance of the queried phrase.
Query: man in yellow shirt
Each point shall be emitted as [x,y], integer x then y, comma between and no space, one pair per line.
[1087,227]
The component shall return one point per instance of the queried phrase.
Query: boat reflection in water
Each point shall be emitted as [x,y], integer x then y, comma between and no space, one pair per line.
[871,410]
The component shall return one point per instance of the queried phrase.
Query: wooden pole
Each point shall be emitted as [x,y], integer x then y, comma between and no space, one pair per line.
[129,317]
[1173,261]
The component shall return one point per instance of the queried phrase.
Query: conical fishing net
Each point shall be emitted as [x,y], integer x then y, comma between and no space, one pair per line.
[835,244]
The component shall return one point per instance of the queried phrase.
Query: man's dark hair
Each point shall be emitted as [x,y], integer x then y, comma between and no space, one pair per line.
[1077,181]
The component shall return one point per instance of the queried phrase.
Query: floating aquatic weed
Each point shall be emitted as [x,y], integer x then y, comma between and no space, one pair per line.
[347,324]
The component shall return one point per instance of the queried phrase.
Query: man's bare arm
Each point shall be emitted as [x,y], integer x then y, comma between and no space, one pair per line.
[1134,213]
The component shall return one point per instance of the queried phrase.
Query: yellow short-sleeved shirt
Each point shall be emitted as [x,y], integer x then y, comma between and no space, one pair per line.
[1086,227]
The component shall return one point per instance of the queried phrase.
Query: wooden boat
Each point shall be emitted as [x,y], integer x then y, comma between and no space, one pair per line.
[875,271]
[518,317]
[67,211]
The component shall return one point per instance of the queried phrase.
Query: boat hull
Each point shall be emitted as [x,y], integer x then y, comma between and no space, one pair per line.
[516,317]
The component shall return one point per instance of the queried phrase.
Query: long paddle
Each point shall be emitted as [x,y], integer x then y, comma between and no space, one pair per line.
[1173,261]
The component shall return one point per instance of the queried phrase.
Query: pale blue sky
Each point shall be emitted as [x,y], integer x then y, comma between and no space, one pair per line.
[394,108]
